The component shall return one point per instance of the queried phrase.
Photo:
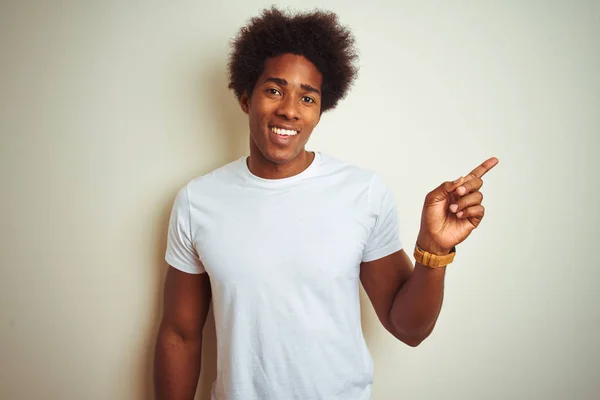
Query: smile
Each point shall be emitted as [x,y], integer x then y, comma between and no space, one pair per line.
[284,132]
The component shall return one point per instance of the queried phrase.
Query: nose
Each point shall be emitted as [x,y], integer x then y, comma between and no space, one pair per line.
[287,108]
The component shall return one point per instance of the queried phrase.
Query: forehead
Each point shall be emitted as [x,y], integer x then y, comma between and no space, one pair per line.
[296,70]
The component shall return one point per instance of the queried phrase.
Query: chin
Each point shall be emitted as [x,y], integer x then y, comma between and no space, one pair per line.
[280,156]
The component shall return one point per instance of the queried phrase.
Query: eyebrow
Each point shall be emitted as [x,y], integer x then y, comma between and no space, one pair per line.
[283,82]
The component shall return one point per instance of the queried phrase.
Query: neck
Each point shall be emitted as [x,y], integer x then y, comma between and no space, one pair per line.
[266,169]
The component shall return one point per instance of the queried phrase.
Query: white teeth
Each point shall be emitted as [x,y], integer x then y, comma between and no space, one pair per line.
[284,132]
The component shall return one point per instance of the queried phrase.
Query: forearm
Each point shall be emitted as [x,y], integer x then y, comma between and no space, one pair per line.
[176,366]
[417,304]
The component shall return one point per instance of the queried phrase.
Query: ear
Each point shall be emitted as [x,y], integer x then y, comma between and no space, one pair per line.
[245,101]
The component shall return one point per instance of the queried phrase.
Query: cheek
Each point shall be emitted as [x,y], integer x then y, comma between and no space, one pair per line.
[254,118]
[258,115]
[314,120]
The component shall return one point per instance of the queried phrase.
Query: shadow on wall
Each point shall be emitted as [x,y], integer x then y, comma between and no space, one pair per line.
[231,121]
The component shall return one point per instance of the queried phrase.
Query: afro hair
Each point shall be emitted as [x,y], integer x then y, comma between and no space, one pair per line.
[316,35]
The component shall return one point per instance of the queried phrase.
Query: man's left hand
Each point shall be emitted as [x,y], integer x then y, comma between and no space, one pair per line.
[452,211]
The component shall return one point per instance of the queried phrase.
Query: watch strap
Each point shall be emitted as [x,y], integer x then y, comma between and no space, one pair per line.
[432,260]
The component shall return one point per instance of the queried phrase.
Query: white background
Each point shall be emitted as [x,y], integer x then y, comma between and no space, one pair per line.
[108,108]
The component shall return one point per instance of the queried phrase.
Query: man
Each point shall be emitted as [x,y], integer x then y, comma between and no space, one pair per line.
[278,241]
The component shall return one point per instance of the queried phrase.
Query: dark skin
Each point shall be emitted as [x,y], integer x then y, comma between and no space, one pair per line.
[179,343]
[407,299]
[287,95]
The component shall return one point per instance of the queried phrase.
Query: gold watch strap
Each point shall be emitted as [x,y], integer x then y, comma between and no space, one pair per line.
[432,260]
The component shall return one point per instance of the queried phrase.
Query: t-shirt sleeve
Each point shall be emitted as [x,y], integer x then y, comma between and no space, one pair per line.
[181,253]
[385,234]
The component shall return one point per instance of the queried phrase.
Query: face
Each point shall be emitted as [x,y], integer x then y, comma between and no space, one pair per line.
[284,108]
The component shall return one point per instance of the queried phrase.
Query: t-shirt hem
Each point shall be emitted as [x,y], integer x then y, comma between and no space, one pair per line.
[382,252]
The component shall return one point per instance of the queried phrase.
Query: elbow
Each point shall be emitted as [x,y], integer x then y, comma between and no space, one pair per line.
[413,341]
[410,336]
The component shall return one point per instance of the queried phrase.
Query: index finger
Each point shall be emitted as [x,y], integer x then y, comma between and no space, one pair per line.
[484,167]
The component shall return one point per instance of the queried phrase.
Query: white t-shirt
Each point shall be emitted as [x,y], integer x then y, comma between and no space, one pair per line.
[283,257]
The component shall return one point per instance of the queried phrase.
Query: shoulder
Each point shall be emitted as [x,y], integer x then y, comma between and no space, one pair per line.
[210,186]
[366,182]
[351,174]
[215,180]
[335,167]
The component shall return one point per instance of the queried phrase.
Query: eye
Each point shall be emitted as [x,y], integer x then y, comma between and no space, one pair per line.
[307,99]
[273,91]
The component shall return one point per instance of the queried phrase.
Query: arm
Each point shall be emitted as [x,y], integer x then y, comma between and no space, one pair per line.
[406,300]
[179,343]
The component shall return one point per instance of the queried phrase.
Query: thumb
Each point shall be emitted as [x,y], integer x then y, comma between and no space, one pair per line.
[443,191]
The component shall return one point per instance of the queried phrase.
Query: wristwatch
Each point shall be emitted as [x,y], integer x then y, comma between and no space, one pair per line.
[432,260]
